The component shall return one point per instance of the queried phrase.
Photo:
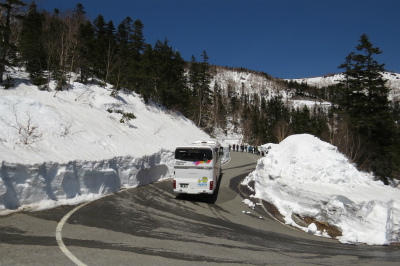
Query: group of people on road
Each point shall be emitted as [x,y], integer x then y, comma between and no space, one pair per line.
[244,148]
[248,149]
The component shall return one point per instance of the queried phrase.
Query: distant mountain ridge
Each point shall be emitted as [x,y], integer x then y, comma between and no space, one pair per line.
[248,81]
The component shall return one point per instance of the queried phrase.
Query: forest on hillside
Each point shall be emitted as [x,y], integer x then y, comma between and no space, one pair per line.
[361,121]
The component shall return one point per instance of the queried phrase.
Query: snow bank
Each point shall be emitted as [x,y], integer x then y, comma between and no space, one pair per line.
[306,176]
[46,185]
[70,146]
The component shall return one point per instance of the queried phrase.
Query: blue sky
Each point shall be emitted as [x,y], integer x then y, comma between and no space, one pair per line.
[284,38]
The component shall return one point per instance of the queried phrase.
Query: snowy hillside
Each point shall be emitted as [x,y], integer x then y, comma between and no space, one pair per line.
[56,146]
[257,83]
[254,82]
[251,82]
[393,82]
[84,124]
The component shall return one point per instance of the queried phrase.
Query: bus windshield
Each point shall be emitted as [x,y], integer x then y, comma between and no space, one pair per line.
[193,155]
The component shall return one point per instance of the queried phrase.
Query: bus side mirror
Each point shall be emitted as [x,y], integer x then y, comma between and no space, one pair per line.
[221,151]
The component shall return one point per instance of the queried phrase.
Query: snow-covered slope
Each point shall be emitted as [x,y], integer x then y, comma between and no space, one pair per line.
[254,82]
[393,82]
[245,81]
[68,146]
[77,125]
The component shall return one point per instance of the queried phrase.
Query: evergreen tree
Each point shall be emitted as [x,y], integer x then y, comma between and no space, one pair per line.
[138,41]
[233,102]
[7,48]
[220,113]
[163,56]
[147,74]
[124,70]
[85,50]
[365,103]
[100,46]
[79,13]
[52,29]
[365,91]
[319,123]
[78,20]
[137,46]
[111,57]
[263,130]
[180,99]
[255,125]
[245,119]
[123,33]
[169,66]
[205,94]
[199,78]
[275,113]
[31,45]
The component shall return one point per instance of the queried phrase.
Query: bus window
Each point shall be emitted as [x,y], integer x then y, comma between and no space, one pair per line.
[193,155]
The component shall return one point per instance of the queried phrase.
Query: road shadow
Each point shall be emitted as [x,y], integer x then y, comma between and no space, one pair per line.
[205,198]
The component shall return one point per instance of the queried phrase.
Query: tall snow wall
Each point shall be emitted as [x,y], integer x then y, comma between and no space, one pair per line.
[51,183]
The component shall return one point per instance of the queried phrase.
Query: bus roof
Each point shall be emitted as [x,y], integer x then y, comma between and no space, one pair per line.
[202,143]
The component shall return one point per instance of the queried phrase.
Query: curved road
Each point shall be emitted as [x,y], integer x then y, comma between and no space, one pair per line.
[152,226]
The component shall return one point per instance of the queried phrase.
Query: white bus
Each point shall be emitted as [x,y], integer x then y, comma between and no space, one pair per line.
[197,167]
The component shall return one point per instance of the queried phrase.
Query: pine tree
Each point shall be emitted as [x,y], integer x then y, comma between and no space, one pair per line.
[276,112]
[233,102]
[100,46]
[85,50]
[220,114]
[31,45]
[52,28]
[138,41]
[365,92]
[124,72]
[255,124]
[111,55]
[200,78]
[365,104]
[137,46]
[147,74]
[7,48]
[263,130]
[74,23]
[169,66]
[163,56]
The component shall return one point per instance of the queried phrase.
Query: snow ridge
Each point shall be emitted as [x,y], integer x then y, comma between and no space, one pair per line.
[49,184]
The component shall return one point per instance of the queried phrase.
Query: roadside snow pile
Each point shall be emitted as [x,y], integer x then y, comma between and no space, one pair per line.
[307,177]
[71,146]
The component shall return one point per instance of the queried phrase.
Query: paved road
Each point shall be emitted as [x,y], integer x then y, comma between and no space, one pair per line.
[152,226]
